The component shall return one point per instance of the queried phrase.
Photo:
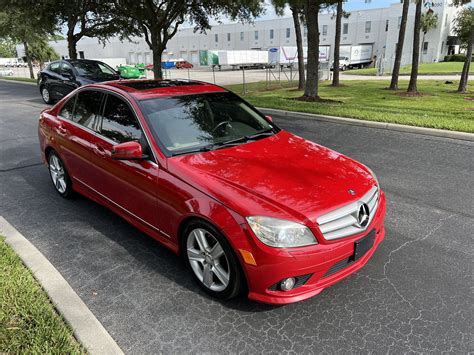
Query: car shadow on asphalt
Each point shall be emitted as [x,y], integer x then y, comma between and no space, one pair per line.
[92,218]
[157,258]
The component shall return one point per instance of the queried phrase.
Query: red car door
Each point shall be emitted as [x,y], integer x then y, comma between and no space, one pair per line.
[75,131]
[128,184]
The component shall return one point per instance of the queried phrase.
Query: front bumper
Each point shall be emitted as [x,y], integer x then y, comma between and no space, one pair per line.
[319,261]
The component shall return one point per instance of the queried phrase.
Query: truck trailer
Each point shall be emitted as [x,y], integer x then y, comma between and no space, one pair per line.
[244,59]
[288,56]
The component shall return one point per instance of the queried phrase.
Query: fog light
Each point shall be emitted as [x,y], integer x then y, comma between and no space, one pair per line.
[287,284]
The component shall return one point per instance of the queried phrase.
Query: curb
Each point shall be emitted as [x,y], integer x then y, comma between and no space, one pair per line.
[380,125]
[18,81]
[87,329]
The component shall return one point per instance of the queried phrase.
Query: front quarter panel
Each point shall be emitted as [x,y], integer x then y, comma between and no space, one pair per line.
[178,201]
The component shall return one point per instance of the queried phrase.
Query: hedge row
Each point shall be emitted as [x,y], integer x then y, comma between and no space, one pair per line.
[456,58]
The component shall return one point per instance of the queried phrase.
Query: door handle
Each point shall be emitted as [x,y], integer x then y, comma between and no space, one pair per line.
[100,150]
[62,130]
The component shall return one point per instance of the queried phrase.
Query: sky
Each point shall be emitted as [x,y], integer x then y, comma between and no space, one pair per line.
[350,5]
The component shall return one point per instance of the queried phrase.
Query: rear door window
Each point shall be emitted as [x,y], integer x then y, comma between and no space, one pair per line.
[118,122]
[68,109]
[88,108]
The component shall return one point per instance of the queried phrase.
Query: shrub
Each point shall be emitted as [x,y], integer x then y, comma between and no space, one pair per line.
[455,58]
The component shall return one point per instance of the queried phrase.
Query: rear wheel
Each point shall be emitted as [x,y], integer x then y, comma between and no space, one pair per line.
[212,261]
[46,95]
[59,175]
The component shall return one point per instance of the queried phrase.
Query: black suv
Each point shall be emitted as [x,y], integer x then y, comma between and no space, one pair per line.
[61,77]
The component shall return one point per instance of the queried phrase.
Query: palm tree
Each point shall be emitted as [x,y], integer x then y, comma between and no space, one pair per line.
[399,49]
[296,7]
[464,28]
[296,11]
[429,21]
[416,49]
[337,44]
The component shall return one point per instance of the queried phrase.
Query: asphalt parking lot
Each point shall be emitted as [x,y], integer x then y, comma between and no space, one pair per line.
[415,294]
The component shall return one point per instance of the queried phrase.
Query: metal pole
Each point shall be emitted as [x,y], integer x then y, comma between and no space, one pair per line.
[188,75]
[243,79]
[214,74]
[266,77]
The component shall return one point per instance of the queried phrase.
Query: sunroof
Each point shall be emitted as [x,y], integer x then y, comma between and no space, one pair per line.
[156,84]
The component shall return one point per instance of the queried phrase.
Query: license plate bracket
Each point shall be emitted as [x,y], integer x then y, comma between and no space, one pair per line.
[363,245]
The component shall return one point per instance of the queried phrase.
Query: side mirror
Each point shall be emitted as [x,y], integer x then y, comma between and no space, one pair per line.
[128,151]
[270,118]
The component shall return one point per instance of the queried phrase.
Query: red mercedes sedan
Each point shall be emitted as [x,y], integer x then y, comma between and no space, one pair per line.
[250,207]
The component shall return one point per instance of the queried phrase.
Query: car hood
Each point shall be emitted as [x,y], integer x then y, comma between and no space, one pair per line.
[283,176]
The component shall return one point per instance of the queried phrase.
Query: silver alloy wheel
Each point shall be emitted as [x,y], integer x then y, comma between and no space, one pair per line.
[208,259]
[57,172]
[45,94]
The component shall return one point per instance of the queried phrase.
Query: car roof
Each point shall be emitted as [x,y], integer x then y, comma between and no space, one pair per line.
[148,89]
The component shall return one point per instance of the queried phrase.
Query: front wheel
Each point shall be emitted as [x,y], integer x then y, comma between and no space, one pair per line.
[59,175]
[212,261]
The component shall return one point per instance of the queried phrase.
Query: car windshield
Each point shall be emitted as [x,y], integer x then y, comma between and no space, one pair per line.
[193,123]
[93,69]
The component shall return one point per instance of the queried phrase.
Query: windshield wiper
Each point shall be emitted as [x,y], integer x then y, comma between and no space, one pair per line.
[220,145]
[206,148]
[266,133]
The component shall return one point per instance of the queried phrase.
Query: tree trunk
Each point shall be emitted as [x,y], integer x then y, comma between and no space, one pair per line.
[337,45]
[28,59]
[71,39]
[157,48]
[312,70]
[416,49]
[71,45]
[399,49]
[467,64]
[421,47]
[295,11]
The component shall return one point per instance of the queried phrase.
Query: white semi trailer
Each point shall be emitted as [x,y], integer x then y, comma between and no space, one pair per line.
[243,59]
[287,56]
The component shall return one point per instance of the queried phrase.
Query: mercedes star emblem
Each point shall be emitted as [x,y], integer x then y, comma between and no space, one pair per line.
[363,215]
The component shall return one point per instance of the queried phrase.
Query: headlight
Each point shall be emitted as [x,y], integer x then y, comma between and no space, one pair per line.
[373,175]
[280,233]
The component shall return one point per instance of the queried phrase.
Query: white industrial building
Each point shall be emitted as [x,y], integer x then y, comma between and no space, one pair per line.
[377,27]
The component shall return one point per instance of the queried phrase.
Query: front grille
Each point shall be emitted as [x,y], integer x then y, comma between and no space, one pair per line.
[343,222]
[339,266]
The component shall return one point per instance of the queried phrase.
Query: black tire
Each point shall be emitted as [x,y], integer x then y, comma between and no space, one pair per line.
[46,95]
[344,68]
[237,282]
[68,191]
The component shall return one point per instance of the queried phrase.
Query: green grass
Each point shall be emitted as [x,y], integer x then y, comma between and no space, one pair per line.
[28,321]
[18,78]
[443,68]
[440,107]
